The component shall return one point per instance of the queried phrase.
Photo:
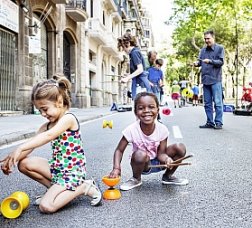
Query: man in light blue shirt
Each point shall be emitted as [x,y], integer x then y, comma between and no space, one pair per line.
[211,60]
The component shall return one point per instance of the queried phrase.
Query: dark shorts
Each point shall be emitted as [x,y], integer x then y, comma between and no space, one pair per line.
[154,161]
[195,97]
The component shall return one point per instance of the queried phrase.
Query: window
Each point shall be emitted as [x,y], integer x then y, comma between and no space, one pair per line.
[91,8]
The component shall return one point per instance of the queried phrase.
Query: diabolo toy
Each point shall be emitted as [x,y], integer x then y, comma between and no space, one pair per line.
[187,93]
[13,205]
[166,111]
[107,123]
[111,193]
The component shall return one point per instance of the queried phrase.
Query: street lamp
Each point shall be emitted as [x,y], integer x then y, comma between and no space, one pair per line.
[236,56]
[237,59]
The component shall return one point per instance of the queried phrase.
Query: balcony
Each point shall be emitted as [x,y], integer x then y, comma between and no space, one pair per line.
[117,16]
[97,31]
[76,10]
[111,44]
[110,5]
[59,1]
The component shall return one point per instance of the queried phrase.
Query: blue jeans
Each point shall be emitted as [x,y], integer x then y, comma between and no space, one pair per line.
[156,90]
[213,94]
[141,80]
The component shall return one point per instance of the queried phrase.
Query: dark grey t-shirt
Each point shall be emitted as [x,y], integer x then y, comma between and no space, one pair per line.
[136,58]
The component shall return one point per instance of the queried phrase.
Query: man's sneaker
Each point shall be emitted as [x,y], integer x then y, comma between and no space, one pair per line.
[218,127]
[174,181]
[206,126]
[130,184]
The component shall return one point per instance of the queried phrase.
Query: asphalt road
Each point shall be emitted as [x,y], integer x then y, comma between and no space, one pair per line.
[218,194]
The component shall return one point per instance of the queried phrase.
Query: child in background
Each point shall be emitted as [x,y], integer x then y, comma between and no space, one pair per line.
[149,141]
[175,93]
[64,174]
[155,77]
[195,90]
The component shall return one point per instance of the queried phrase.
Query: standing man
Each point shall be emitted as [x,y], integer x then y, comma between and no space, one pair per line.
[211,60]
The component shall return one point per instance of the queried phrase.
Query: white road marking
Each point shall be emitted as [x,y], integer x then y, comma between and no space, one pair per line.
[176,132]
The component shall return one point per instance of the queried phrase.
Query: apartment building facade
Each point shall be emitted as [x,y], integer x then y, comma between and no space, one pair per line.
[74,38]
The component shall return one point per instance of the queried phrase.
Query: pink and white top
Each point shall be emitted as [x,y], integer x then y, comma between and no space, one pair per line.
[140,141]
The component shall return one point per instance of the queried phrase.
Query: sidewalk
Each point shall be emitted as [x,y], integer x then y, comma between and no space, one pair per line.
[15,128]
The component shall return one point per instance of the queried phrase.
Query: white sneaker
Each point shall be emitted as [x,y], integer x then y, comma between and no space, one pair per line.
[38,200]
[97,196]
[130,184]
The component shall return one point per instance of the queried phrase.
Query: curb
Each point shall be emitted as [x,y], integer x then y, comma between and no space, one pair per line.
[18,136]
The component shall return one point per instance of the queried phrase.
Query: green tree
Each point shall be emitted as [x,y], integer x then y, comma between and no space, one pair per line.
[231,21]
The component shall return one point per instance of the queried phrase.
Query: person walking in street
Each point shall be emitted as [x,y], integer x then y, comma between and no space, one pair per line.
[149,145]
[183,86]
[175,94]
[64,175]
[155,76]
[152,57]
[195,97]
[137,65]
[211,60]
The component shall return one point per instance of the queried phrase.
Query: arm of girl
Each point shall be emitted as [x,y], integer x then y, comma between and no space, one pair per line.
[118,158]
[66,122]
[162,155]
[8,161]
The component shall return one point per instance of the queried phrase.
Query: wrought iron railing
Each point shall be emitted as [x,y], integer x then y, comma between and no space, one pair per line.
[81,4]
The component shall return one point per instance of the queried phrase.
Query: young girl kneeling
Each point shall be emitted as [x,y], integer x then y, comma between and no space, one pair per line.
[64,174]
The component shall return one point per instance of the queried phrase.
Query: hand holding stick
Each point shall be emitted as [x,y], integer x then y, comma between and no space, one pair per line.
[173,164]
[183,158]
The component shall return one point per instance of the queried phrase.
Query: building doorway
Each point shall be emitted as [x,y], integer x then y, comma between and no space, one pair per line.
[8,77]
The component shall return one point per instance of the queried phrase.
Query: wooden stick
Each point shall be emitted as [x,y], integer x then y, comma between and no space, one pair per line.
[168,166]
[181,159]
